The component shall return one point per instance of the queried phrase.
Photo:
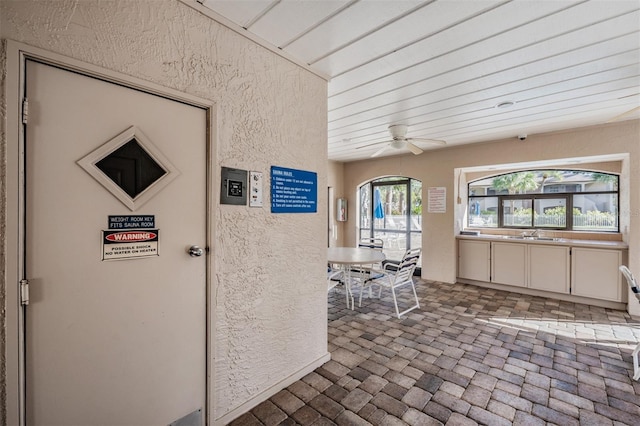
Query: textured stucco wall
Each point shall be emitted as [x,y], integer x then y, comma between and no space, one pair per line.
[269,313]
[436,168]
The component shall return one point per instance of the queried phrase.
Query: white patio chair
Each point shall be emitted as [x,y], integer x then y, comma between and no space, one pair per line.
[335,277]
[366,272]
[374,244]
[633,284]
[396,275]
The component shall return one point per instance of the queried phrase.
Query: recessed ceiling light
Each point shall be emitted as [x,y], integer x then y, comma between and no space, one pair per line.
[505,104]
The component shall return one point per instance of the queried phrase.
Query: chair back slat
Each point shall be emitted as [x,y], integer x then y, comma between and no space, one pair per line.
[407,265]
[633,284]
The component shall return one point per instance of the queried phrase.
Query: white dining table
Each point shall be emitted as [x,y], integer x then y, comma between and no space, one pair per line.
[348,257]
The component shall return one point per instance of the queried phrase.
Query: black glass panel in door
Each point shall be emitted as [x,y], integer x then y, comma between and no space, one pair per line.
[131,168]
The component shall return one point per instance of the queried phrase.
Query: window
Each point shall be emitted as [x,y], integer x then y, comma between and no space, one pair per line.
[545,199]
[391,209]
[131,168]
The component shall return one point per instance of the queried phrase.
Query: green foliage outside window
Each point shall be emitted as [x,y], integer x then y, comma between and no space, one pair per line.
[522,212]
[596,218]
[560,211]
[593,197]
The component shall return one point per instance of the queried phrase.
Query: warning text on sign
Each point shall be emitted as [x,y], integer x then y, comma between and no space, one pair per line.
[293,191]
[118,245]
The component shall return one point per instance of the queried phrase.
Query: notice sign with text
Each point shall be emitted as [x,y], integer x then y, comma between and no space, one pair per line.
[293,191]
[118,245]
[437,199]
[132,222]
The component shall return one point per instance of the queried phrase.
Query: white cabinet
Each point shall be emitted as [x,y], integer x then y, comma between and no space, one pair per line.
[595,273]
[474,260]
[509,263]
[561,269]
[549,268]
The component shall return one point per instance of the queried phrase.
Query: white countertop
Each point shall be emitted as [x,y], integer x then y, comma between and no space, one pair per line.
[603,244]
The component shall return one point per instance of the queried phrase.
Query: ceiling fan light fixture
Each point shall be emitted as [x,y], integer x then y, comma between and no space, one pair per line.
[398,130]
[505,104]
[398,143]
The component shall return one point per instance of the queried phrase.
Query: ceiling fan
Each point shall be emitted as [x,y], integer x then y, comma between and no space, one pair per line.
[626,113]
[399,140]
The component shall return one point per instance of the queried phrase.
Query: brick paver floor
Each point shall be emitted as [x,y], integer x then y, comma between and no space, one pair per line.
[468,356]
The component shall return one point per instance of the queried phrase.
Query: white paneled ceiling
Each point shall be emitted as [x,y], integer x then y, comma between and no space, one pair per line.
[442,67]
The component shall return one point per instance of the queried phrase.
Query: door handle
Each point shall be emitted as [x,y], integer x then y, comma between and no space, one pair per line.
[195,251]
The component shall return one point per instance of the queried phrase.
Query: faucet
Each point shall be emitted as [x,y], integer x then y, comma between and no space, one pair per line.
[534,233]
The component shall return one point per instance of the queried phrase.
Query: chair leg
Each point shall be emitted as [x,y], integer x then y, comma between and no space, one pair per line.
[347,289]
[415,295]
[362,291]
[395,302]
[346,295]
[636,364]
[349,293]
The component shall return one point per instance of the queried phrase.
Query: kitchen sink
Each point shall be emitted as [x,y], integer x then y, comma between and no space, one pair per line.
[547,239]
[521,237]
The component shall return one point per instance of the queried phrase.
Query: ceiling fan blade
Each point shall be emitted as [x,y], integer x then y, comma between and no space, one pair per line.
[624,114]
[380,151]
[431,141]
[411,147]
[372,144]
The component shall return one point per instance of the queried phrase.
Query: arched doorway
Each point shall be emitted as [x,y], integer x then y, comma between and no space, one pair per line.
[390,208]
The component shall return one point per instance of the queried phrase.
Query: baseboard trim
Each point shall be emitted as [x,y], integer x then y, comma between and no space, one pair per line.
[270,391]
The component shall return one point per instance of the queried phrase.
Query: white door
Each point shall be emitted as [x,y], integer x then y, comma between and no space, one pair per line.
[111,342]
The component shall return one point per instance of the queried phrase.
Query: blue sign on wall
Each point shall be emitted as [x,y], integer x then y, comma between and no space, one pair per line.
[293,191]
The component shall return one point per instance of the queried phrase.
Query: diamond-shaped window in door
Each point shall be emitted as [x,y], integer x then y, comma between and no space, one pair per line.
[130,167]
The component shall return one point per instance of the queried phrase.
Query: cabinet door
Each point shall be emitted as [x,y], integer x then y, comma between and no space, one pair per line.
[473,260]
[595,273]
[549,268]
[509,264]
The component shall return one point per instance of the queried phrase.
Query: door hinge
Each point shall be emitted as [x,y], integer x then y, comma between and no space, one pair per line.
[24,292]
[25,110]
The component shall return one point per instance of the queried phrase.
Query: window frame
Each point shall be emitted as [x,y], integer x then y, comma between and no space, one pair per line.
[567,196]
[371,231]
[568,199]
